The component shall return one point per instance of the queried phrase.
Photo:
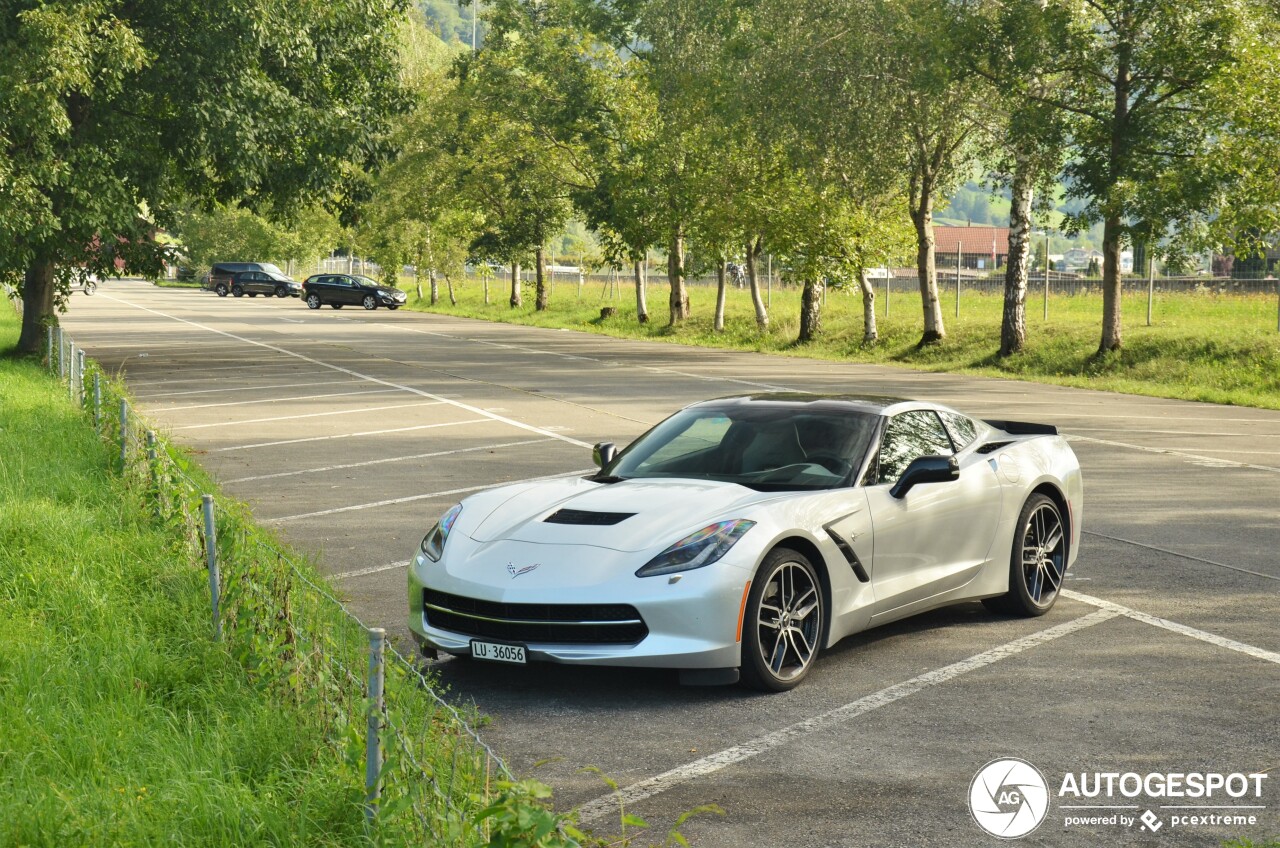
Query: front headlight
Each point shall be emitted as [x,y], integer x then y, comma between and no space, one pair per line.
[433,543]
[698,549]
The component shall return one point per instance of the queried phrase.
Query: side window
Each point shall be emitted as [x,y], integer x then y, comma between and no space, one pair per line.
[907,436]
[963,430]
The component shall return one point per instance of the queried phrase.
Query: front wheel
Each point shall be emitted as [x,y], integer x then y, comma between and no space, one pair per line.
[90,287]
[1037,562]
[281,291]
[783,622]
[336,305]
[394,307]
[313,301]
[237,291]
[370,302]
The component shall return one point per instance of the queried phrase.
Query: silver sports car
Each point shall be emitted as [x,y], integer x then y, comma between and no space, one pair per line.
[739,537]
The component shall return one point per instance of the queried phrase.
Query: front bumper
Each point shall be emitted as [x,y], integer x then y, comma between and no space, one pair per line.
[397,299]
[691,623]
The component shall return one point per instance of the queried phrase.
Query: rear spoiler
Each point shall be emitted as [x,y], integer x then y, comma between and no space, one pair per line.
[1023,428]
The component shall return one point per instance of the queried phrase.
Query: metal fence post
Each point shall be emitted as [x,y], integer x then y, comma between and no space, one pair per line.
[959,262]
[373,736]
[71,371]
[48,340]
[211,557]
[124,434]
[80,378]
[61,362]
[151,460]
[97,403]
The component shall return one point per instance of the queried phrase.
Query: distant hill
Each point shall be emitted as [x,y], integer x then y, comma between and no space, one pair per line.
[974,205]
[452,21]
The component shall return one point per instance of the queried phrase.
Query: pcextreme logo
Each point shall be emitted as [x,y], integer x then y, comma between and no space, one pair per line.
[1009,798]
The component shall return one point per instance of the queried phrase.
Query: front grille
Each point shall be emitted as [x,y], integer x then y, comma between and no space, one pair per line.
[582,516]
[595,624]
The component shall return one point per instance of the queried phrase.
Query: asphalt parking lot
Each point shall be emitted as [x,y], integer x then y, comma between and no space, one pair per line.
[350,432]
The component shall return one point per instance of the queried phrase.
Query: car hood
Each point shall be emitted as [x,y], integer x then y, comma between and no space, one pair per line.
[658,511]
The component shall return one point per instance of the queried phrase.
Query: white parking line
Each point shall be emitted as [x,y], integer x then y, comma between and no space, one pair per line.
[427,496]
[1216,460]
[275,400]
[360,572]
[1180,555]
[307,415]
[385,460]
[608,804]
[1175,627]
[352,435]
[520,424]
[185,392]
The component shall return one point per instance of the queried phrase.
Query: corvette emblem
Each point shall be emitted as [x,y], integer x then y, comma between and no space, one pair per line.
[516,572]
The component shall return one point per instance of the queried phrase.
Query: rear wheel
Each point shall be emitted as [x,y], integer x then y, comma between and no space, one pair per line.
[313,301]
[1037,562]
[783,622]
[370,302]
[336,305]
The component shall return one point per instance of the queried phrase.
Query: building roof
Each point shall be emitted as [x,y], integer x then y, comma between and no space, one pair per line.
[984,240]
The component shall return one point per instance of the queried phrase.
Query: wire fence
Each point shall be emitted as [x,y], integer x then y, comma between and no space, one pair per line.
[418,767]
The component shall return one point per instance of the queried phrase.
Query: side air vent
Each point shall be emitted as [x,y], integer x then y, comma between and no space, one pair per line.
[991,447]
[582,516]
[849,555]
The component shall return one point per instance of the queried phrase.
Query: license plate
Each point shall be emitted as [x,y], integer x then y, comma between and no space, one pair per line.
[498,652]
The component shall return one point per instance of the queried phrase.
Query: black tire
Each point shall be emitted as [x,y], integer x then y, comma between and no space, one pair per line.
[336,305]
[394,307]
[766,664]
[90,287]
[237,291]
[252,294]
[281,291]
[313,301]
[370,302]
[221,289]
[1034,586]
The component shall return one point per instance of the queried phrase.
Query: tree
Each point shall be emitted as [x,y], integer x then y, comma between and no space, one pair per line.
[112,116]
[1149,86]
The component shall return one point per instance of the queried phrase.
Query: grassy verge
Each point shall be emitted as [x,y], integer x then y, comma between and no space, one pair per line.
[178,284]
[121,721]
[1207,347]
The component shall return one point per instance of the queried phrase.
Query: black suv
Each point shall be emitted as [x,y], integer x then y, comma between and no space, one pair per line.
[254,283]
[338,290]
[220,276]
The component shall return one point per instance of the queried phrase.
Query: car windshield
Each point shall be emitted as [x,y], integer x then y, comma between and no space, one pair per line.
[271,269]
[366,281]
[765,447]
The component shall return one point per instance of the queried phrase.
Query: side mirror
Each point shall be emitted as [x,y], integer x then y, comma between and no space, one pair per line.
[926,469]
[603,453]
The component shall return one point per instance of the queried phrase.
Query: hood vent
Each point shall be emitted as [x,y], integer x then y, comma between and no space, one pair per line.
[582,516]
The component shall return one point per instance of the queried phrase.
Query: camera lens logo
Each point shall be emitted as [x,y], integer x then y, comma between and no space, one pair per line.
[1008,798]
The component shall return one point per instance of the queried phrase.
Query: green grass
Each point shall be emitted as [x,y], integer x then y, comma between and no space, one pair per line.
[178,284]
[121,721]
[1206,347]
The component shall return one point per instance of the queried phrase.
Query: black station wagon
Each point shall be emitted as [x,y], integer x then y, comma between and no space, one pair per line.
[338,290]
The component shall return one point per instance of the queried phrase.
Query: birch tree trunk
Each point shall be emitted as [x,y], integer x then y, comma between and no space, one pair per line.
[678,303]
[517,299]
[870,335]
[448,281]
[1013,325]
[642,307]
[922,188]
[720,295]
[1111,285]
[811,311]
[540,301]
[435,286]
[754,246]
